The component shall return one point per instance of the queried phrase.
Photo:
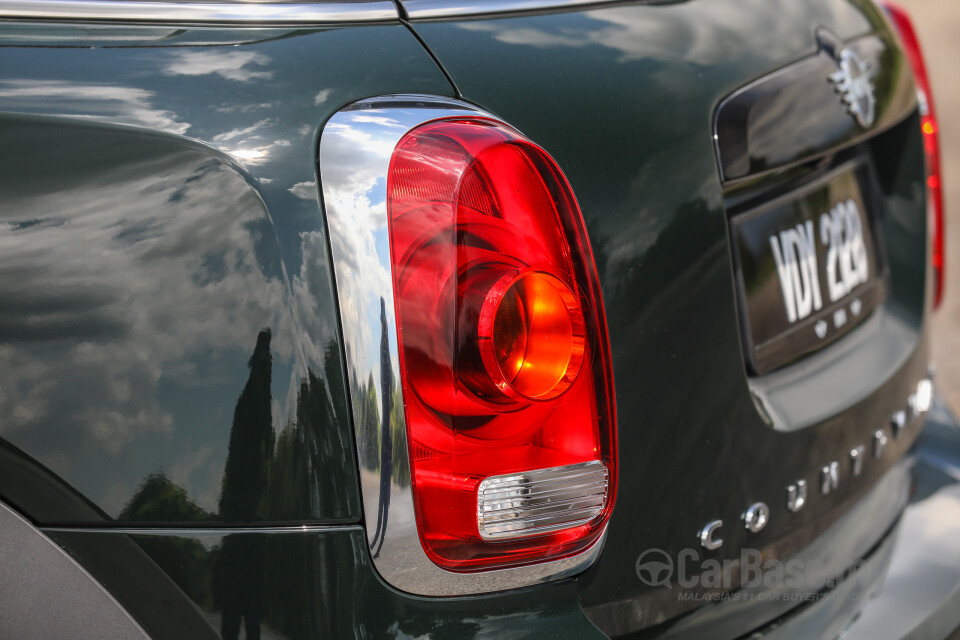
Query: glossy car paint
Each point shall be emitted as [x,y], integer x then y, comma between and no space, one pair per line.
[749,142]
[317,584]
[160,213]
[209,136]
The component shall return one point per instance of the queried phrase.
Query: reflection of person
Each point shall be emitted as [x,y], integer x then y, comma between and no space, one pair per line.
[386,437]
[238,586]
[238,589]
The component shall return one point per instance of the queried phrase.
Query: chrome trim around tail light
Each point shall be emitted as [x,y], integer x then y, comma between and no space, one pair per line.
[355,150]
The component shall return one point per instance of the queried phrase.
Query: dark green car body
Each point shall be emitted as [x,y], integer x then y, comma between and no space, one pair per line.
[176,411]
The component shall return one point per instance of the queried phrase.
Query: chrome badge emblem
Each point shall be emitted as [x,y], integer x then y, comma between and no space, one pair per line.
[852,82]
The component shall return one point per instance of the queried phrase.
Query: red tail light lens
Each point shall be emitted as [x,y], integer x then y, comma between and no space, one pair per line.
[931,144]
[531,334]
[505,366]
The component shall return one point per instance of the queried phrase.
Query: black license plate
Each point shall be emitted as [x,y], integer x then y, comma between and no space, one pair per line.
[808,269]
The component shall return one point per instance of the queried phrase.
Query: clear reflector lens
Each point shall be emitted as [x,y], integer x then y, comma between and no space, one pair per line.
[540,501]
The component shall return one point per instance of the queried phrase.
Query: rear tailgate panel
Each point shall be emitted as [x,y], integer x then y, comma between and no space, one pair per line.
[624,98]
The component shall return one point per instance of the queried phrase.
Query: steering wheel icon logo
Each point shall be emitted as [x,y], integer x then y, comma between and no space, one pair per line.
[655,568]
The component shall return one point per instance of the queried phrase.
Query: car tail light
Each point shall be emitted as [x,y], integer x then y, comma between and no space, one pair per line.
[504,360]
[931,143]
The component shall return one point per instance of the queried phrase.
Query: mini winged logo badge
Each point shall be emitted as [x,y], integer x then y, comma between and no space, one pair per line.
[852,82]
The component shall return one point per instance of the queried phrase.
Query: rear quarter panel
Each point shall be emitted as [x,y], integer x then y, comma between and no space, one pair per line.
[169,332]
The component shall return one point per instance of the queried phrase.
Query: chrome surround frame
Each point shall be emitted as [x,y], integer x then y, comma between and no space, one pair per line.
[355,150]
[252,13]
